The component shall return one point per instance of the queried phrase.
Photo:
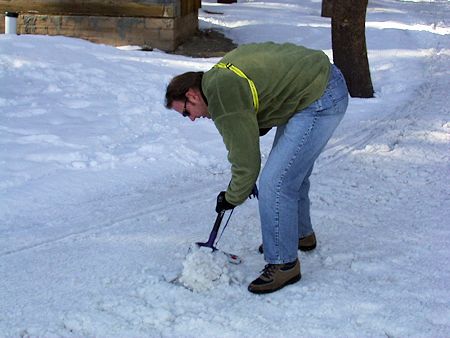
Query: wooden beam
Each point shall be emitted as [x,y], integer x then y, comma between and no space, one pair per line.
[118,8]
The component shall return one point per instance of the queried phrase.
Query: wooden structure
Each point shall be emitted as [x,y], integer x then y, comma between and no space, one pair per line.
[162,24]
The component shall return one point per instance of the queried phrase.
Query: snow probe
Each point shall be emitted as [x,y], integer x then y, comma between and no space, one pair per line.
[215,230]
[213,235]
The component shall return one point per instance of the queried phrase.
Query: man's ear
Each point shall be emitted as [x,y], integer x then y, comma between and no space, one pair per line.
[193,95]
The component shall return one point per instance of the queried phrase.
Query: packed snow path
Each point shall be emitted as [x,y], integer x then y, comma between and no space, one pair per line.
[103,191]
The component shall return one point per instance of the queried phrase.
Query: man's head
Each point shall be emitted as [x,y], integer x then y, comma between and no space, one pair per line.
[184,94]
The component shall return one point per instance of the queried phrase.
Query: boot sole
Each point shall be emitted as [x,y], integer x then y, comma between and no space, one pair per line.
[290,281]
[301,248]
[307,248]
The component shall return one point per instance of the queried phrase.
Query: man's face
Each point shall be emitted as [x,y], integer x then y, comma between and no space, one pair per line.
[193,106]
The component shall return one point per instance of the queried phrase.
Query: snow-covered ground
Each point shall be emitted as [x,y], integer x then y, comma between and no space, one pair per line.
[103,190]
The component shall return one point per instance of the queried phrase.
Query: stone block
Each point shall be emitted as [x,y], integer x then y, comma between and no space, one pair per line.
[162,33]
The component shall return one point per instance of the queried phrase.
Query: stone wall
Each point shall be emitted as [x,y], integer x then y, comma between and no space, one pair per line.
[162,24]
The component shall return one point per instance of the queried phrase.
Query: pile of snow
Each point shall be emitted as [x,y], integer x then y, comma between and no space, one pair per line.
[204,269]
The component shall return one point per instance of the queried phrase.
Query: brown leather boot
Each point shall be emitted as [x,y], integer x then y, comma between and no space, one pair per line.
[276,276]
[306,243]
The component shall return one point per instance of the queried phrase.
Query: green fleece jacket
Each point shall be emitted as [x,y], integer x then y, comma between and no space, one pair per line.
[288,78]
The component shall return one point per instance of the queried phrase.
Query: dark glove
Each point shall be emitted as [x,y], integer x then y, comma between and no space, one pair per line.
[254,192]
[222,203]
[263,131]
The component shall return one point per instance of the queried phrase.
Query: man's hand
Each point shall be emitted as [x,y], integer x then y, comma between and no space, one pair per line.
[222,203]
[263,131]
[254,192]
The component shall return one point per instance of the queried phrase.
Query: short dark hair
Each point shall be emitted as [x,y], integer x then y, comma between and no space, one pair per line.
[180,84]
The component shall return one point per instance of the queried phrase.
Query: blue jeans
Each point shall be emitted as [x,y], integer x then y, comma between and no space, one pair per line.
[284,182]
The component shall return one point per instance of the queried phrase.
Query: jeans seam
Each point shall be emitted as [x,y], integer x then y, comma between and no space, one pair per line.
[277,221]
[280,181]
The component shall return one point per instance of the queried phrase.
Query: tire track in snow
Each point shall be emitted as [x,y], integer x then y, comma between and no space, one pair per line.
[422,98]
[161,206]
[395,122]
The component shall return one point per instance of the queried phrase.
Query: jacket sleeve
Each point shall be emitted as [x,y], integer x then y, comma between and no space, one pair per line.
[240,134]
[230,104]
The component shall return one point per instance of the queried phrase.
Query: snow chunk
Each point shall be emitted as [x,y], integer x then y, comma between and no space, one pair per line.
[204,269]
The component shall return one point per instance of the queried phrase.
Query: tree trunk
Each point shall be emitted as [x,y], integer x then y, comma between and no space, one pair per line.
[327,8]
[349,46]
